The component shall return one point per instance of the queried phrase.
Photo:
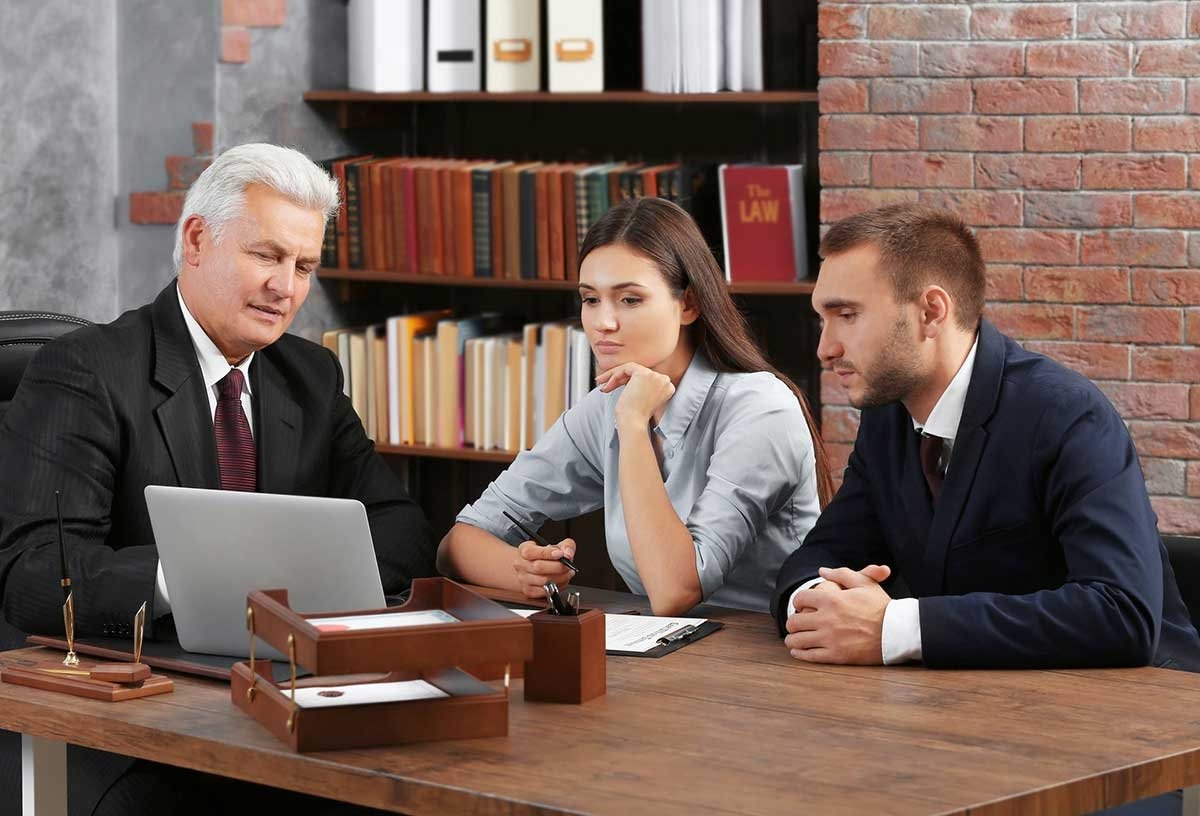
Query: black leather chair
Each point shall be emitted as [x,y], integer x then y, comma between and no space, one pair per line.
[1184,552]
[21,335]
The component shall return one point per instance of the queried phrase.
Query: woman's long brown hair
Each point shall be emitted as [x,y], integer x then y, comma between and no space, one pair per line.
[665,234]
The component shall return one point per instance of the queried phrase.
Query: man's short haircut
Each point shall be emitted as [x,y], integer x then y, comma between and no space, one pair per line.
[219,194]
[919,246]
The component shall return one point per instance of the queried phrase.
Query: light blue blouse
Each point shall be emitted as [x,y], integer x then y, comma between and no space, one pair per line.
[738,465]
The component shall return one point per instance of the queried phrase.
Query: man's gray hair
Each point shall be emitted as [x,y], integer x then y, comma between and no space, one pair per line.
[219,194]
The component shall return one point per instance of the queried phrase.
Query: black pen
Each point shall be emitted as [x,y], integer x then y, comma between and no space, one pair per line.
[62,549]
[566,562]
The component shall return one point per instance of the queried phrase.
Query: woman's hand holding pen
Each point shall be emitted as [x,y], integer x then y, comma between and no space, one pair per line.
[646,391]
[537,566]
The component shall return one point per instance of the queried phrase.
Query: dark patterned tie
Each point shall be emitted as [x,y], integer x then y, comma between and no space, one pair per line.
[931,455]
[235,444]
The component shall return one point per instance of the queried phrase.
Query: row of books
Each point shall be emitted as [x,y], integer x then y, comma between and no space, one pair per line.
[501,219]
[690,46]
[432,379]
[528,220]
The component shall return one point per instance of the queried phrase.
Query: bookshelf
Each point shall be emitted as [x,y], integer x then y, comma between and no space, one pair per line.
[455,454]
[623,124]
[609,97]
[803,287]
[354,108]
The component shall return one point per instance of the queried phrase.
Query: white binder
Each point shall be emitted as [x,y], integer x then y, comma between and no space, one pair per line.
[386,45]
[575,45]
[453,60]
[513,45]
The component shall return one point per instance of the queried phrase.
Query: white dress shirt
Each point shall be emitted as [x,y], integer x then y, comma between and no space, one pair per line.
[902,618]
[213,368]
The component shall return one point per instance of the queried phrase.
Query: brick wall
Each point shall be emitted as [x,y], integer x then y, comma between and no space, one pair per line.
[1068,135]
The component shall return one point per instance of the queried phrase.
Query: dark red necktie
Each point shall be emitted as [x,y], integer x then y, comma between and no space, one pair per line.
[236,456]
[931,455]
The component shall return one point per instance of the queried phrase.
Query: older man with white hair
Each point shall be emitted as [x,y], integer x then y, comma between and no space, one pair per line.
[201,388]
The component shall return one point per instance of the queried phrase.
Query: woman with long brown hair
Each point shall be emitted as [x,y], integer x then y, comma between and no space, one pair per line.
[703,456]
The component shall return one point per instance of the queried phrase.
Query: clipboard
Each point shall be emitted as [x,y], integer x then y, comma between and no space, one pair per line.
[673,643]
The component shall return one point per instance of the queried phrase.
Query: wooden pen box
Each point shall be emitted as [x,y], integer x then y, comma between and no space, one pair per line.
[354,659]
[568,664]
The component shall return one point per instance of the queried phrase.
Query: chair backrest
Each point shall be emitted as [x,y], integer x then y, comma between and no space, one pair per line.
[1184,552]
[21,335]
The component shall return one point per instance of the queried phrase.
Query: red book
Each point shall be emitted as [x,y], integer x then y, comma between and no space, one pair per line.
[762,218]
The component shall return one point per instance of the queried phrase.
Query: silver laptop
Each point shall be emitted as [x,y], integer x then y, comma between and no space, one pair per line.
[216,546]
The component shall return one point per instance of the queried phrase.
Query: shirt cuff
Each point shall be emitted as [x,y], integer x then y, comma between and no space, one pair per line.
[791,604]
[901,631]
[162,606]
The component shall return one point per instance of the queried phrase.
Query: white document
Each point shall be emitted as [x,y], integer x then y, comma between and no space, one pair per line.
[634,633]
[454,63]
[364,693]
[513,45]
[575,40]
[384,620]
[640,633]
[386,45]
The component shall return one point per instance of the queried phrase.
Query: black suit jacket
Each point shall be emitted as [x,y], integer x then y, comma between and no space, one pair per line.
[1042,550]
[107,410]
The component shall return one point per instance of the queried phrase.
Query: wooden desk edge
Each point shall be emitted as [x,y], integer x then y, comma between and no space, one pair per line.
[315,774]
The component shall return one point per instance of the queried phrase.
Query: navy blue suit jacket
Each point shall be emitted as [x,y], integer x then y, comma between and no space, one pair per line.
[1042,550]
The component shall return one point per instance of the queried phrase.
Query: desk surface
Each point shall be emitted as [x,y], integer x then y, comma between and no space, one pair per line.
[730,724]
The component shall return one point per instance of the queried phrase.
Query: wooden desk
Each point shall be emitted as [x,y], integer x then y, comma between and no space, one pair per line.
[730,724]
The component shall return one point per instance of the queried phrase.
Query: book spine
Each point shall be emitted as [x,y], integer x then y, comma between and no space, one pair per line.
[449,259]
[481,214]
[582,211]
[353,218]
[329,258]
[528,213]
[541,220]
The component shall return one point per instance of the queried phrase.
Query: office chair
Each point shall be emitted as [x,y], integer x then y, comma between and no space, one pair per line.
[1184,553]
[21,335]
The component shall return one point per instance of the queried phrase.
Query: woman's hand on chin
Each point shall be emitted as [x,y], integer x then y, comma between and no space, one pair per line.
[646,391]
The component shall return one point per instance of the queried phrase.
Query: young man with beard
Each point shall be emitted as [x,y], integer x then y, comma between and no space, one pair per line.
[1001,487]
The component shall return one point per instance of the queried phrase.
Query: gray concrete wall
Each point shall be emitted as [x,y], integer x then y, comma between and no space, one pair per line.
[100,93]
[166,74]
[261,101]
[58,166]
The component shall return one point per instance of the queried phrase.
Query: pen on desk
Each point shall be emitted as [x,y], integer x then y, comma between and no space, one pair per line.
[65,582]
[566,562]
[678,634]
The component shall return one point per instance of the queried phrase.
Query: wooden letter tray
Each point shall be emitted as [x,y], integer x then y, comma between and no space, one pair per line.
[354,658]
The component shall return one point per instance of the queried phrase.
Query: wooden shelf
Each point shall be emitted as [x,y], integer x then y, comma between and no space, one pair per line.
[804,287]
[463,454]
[603,97]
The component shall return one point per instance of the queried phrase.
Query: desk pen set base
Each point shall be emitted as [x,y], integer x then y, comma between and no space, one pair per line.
[386,676]
[132,680]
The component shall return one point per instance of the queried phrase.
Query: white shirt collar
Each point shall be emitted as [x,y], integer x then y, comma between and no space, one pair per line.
[947,412]
[213,365]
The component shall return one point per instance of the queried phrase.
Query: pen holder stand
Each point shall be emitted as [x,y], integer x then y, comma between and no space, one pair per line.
[568,658]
